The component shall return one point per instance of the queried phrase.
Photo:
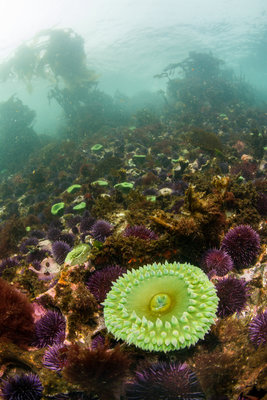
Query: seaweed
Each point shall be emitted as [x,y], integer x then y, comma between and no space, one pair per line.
[234,366]
[16,316]
[11,231]
[100,371]
[206,141]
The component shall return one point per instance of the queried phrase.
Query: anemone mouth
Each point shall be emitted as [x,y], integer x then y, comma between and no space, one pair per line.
[160,303]
[154,298]
[161,307]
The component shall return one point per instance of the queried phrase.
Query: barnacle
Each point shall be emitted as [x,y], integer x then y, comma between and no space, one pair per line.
[161,307]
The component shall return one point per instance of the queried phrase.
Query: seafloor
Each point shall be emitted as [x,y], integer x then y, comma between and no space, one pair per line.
[158,192]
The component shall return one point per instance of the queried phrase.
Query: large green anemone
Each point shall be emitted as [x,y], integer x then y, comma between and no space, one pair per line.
[161,307]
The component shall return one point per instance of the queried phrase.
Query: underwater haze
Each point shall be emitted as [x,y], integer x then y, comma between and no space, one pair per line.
[133,200]
[128,42]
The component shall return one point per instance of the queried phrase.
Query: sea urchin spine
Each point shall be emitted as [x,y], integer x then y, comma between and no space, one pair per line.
[22,387]
[242,243]
[258,329]
[163,381]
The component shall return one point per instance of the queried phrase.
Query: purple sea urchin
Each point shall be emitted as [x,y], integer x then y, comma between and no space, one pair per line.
[233,294]
[36,265]
[73,221]
[27,244]
[258,329]
[161,307]
[101,230]
[217,262]
[50,329]
[60,251]
[37,255]
[100,282]
[242,243]
[53,234]
[163,381]
[68,238]
[22,387]
[55,357]
[8,263]
[37,233]
[98,340]
[86,223]
[141,232]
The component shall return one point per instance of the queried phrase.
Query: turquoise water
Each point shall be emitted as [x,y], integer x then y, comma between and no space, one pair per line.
[128,42]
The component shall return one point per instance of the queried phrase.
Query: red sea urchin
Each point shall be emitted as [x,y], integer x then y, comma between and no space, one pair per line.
[242,243]
[22,387]
[233,294]
[258,329]
[163,381]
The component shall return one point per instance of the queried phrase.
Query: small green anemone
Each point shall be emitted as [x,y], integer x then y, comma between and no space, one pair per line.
[124,187]
[80,207]
[58,209]
[97,147]
[161,307]
[78,255]
[73,188]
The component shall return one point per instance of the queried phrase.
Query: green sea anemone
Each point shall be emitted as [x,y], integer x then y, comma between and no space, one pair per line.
[139,159]
[58,209]
[78,255]
[97,147]
[151,198]
[80,207]
[100,182]
[73,188]
[124,187]
[161,307]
